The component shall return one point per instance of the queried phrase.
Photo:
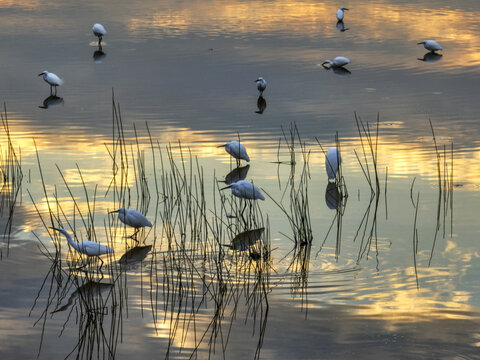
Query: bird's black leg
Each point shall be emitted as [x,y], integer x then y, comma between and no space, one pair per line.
[101,264]
[55,90]
[51,89]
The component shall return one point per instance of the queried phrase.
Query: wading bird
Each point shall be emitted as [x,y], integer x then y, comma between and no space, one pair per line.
[261,84]
[99,31]
[338,62]
[245,190]
[341,13]
[51,79]
[237,150]
[133,218]
[332,162]
[87,247]
[431,45]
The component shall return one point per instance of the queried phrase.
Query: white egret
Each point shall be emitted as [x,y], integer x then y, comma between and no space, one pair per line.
[339,61]
[261,84]
[332,162]
[341,13]
[237,150]
[99,31]
[431,45]
[245,190]
[87,247]
[52,79]
[133,218]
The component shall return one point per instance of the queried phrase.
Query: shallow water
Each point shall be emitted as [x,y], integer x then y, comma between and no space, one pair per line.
[388,275]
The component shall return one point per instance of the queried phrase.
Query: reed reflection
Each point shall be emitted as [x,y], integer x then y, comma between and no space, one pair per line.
[51,101]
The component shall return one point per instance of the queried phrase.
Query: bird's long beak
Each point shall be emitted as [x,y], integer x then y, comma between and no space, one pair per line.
[420,43]
[345,9]
[112,212]
[40,74]
[54,228]
[221,145]
[226,187]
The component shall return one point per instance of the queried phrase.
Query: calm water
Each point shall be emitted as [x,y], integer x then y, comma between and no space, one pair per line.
[389,274]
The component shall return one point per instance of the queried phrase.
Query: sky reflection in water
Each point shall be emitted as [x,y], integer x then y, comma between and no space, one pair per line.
[188,70]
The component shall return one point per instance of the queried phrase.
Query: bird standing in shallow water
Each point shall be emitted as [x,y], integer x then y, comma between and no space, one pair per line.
[341,13]
[245,190]
[133,218]
[261,84]
[52,79]
[431,45]
[236,149]
[332,163]
[87,247]
[99,31]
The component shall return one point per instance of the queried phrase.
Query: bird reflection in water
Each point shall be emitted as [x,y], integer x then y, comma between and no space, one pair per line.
[237,174]
[99,55]
[261,105]
[87,292]
[51,101]
[341,26]
[431,57]
[245,241]
[333,196]
[135,255]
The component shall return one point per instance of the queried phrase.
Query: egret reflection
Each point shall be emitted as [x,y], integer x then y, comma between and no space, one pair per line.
[51,101]
[244,240]
[333,196]
[135,255]
[99,55]
[89,290]
[261,105]
[341,26]
[340,71]
[431,57]
[237,174]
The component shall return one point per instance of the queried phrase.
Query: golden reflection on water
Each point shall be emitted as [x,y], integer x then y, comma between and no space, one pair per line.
[380,21]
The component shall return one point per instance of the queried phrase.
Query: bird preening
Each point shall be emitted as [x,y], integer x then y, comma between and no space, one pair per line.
[341,13]
[332,163]
[52,79]
[99,31]
[261,84]
[133,218]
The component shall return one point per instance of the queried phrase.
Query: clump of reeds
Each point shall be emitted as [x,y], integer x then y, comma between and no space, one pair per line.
[11,177]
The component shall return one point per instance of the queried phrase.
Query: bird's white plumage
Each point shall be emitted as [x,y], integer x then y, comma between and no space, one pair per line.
[261,84]
[99,30]
[133,218]
[431,45]
[332,162]
[339,61]
[237,150]
[87,247]
[51,78]
[245,190]
[341,13]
